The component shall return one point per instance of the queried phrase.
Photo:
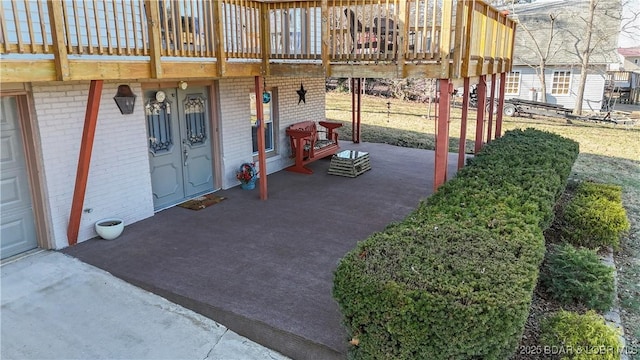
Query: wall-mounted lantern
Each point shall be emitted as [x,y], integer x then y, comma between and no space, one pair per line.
[125,99]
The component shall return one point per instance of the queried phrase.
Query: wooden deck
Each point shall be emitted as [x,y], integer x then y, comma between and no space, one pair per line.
[186,39]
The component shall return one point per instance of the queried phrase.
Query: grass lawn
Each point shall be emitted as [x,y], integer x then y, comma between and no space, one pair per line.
[608,153]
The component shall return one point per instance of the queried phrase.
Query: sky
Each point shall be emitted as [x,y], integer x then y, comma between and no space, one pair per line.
[625,40]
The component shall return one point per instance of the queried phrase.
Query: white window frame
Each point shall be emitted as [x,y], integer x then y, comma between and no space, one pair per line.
[270,118]
[517,85]
[554,84]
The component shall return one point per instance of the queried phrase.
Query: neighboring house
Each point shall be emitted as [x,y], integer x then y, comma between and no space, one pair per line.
[630,59]
[193,67]
[623,82]
[563,66]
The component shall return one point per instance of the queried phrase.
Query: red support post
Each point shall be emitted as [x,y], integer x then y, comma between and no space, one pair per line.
[482,97]
[262,154]
[442,134]
[352,83]
[503,83]
[84,159]
[463,124]
[492,98]
[358,110]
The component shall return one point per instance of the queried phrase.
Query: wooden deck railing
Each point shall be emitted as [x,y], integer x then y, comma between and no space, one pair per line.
[464,37]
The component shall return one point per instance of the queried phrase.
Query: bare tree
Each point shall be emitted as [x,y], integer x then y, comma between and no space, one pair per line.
[582,35]
[629,25]
[542,46]
[596,35]
[585,54]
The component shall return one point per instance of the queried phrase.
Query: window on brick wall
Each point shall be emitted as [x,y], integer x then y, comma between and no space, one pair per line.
[269,116]
[561,83]
[512,83]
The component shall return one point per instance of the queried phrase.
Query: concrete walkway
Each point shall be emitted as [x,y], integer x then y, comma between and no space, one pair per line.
[57,307]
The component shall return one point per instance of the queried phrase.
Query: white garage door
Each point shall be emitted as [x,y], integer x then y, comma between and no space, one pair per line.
[17,224]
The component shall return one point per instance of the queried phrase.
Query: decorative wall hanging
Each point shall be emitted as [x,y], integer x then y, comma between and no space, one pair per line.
[301,94]
[266,96]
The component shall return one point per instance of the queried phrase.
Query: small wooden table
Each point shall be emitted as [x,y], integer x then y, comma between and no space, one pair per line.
[349,163]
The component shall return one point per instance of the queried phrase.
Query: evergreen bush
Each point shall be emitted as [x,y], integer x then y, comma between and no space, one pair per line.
[580,337]
[595,217]
[455,278]
[578,275]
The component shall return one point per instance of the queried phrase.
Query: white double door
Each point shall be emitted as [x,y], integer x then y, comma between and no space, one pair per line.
[179,139]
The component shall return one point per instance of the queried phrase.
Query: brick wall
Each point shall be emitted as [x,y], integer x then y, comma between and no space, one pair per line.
[236,127]
[119,184]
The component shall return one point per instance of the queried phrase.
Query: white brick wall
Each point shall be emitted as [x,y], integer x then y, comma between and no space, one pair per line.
[235,125]
[119,184]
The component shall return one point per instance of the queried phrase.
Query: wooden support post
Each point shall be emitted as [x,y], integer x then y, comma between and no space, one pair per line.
[503,84]
[155,41]
[463,124]
[401,38]
[445,39]
[324,6]
[61,59]
[354,111]
[265,39]
[492,99]
[84,159]
[442,135]
[262,153]
[219,39]
[466,68]
[482,97]
[458,41]
[356,130]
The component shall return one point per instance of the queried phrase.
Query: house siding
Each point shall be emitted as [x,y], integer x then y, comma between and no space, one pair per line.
[593,92]
[119,184]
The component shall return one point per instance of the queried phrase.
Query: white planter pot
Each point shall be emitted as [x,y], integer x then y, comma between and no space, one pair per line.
[109,229]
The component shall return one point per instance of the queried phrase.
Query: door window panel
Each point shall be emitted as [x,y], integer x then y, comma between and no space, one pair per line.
[195,119]
[159,126]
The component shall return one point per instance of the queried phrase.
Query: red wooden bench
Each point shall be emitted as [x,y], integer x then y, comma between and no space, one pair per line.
[309,144]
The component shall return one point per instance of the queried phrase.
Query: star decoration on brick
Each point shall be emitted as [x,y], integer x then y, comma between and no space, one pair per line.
[301,94]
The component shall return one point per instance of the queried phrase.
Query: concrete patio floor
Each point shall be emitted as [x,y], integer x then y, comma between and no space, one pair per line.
[264,269]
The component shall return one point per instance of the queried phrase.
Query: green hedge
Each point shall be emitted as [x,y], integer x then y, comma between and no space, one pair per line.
[595,217]
[578,275]
[580,337]
[455,278]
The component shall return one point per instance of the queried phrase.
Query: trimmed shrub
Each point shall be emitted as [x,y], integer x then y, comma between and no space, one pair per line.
[455,278]
[595,217]
[578,275]
[580,337]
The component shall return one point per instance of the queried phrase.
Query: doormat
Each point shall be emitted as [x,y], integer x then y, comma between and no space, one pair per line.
[202,202]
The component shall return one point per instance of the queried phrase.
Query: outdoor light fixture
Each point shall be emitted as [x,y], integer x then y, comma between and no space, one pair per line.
[125,99]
